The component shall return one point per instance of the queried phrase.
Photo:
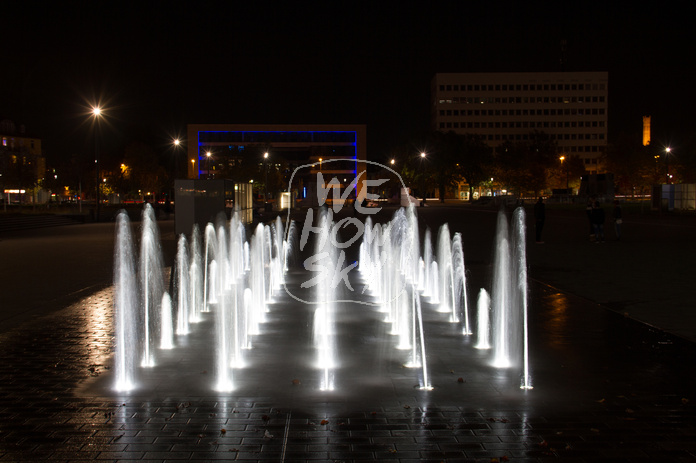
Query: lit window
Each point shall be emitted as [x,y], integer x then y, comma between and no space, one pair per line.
[4,141]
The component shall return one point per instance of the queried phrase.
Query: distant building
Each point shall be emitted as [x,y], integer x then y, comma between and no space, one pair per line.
[571,107]
[288,147]
[22,164]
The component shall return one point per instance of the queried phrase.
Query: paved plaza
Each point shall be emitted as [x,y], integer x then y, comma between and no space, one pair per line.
[612,334]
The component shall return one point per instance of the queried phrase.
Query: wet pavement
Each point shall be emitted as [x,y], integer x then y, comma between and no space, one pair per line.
[606,387]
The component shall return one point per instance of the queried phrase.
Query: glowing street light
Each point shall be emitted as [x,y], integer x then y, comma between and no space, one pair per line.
[176,144]
[265,180]
[562,158]
[422,155]
[392,162]
[208,154]
[96,113]
[668,150]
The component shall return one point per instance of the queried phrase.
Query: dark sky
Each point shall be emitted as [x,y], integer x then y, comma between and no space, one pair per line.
[157,66]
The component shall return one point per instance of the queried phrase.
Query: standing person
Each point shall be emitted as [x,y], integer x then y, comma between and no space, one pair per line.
[598,222]
[588,211]
[618,220]
[539,218]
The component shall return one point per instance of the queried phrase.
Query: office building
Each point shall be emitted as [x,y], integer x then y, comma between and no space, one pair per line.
[572,107]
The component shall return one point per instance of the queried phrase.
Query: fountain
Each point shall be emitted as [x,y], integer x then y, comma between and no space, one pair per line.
[509,298]
[520,269]
[459,282]
[390,259]
[427,281]
[483,306]
[151,283]
[235,278]
[323,332]
[126,311]
[195,277]
[182,286]
[167,333]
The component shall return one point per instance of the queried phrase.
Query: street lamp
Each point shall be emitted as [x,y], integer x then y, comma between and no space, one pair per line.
[176,143]
[96,112]
[208,154]
[668,150]
[422,155]
[265,180]
[562,158]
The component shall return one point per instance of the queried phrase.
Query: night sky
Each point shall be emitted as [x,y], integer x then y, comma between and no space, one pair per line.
[157,66]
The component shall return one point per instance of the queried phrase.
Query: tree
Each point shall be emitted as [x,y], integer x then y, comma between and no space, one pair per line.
[635,167]
[475,160]
[410,166]
[523,165]
[145,172]
[444,160]
[566,172]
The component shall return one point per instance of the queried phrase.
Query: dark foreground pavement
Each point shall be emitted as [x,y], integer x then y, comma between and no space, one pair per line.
[606,387]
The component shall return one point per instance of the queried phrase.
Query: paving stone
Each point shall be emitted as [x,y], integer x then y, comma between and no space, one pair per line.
[605,390]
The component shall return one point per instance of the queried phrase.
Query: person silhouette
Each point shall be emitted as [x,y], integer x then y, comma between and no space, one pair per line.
[598,222]
[539,218]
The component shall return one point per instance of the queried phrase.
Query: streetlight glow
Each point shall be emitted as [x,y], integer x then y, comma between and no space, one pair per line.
[393,161]
[96,112]
[422,155]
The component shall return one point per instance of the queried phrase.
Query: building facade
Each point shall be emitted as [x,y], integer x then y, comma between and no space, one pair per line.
[572,107]
[22,164]
[334,150]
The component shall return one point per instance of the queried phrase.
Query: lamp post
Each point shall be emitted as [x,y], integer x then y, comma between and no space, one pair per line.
[668,150]
[562,158]
[265,180]
[422,155]
[208,154]
[176,143]
[96,112]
